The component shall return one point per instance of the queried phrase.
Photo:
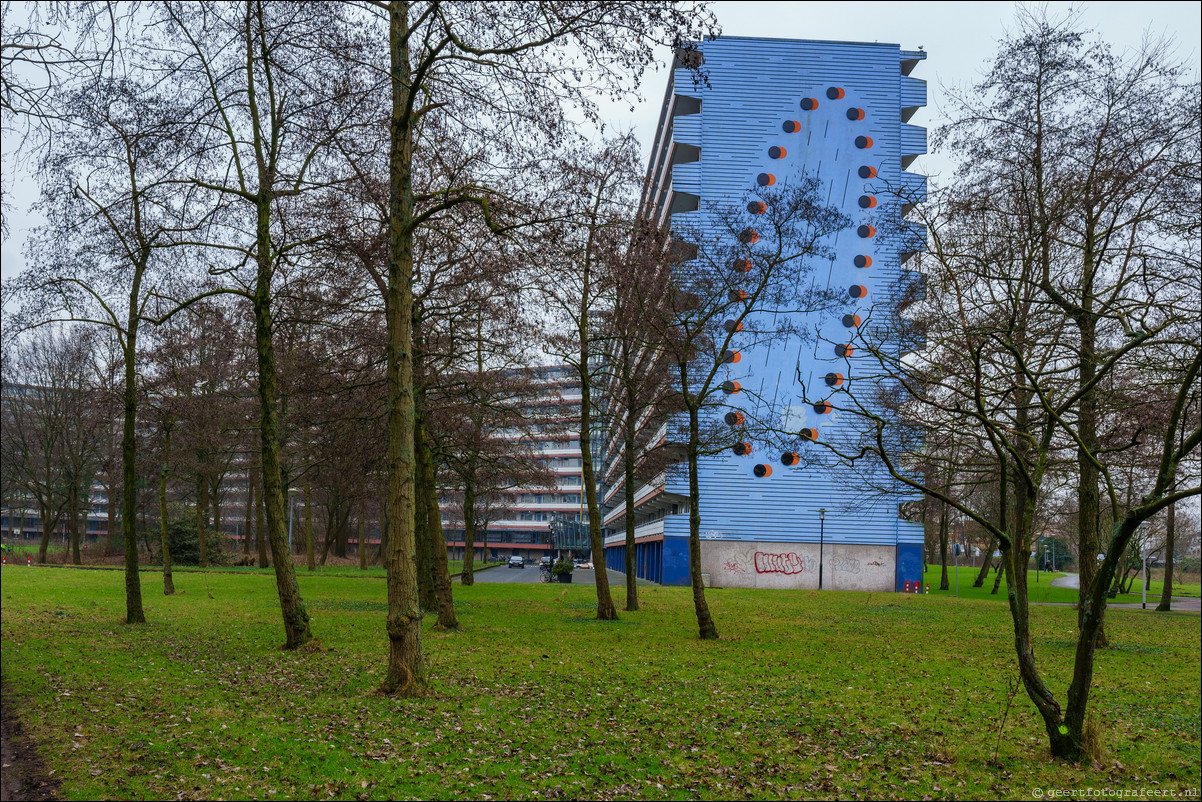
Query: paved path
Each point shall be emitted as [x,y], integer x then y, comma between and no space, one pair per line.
[586,576]
[504,573]
[1180,604]
[1067,581]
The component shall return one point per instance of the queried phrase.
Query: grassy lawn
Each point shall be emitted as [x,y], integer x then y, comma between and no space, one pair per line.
[17,555]
[1039,588]
[1189,586]
[834,695]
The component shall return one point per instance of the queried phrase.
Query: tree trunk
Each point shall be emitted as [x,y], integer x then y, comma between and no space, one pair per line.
[47,525]
[606,610]
[215,507]
[292,608]
[707,629]
[1170,543]
[362,543]
[85,513]
[145,528]
[984,572]
[248,524]
[328,540]
[342,507]
[383,527]
[309,555]
[73,529]
[469,532]
[338,520]
[943,524]
[129,475]
[423,552]
[628,446]
[164,532]
[1088,507]
[434,533]
[406,675]
[1067,738]
[202,518]
[114,535]
[260,520]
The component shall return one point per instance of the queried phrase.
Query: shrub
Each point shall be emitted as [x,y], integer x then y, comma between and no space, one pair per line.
[185,546]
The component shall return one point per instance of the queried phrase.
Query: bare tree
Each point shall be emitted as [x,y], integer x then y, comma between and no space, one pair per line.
[272,91]
[38,405]
[1107,150]
[579,284]
[748,277]
[470,70]
[1071,280]
[109,216]
[639,376]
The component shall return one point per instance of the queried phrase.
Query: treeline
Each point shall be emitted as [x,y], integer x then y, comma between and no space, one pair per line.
[347,209]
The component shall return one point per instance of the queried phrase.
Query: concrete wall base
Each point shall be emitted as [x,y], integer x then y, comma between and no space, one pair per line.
[761,564]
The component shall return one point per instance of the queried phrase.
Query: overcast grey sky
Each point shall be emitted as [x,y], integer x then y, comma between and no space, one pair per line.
[958,36]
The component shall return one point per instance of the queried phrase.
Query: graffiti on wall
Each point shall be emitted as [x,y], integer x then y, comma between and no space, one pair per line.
[787,563]
[846,565]
[738,563]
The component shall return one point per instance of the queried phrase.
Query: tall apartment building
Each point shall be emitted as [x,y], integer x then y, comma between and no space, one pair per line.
[517,520]
[770,111]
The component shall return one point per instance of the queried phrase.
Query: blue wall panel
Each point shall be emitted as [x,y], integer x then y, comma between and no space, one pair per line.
[675,567]
[755,85]
[909,565]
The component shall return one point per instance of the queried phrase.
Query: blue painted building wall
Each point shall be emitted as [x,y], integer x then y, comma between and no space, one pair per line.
[756,86]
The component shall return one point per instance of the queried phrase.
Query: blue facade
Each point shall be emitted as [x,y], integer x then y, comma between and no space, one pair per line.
[784,108]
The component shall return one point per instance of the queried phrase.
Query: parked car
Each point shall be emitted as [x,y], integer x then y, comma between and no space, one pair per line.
[545,562]
[516,562]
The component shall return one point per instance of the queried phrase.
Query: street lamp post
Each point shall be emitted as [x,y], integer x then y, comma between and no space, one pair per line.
[1035,554]
[1144,567]
[821,541]
[956,558]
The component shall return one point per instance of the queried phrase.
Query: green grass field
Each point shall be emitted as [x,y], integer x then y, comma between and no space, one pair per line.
[17,555]
[1039,589]
[833,695]
[1183,586]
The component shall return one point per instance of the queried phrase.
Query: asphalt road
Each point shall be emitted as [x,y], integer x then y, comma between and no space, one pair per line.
[506,574]
[530,574]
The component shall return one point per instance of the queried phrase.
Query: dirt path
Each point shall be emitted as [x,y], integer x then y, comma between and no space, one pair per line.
[23,774]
